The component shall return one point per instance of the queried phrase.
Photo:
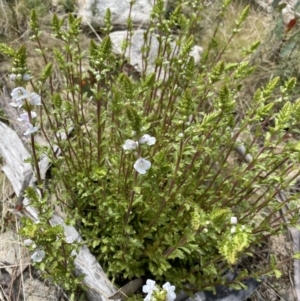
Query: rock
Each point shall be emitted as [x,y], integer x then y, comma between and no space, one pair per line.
[288,12]
[18,172]
[93,12]
[134,53]
[266,5]
[13,153]
[223,293]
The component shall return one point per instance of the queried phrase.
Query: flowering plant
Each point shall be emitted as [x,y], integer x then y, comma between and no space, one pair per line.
[153,293]
[148,171]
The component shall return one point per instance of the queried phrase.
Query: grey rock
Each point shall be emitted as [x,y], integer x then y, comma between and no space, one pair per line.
[134,52]
[223,293]
[93,12]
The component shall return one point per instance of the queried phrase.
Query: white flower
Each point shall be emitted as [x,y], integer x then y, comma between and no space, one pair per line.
[38,255]
[180,135]
[19,93]
[232,230]
[170,291]
[35,99]
[27,242]
[149,288]
[130,144]
[24,117]
[205,230]
[17,103]
[142,165]
[30,129]
[147,139]
[248,158]
[13,77]
[74,253]
[233,220]
[26,77]
[69,239]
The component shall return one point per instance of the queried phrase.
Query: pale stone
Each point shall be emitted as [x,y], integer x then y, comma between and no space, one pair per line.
[134,52]
[93,12]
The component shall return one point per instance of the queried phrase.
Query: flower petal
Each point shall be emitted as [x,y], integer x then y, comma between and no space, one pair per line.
[140,170]
[151,141]
[17,103]
[141,166]
[130,144]
[148,297]
[30,129]
[149,288]
[19,93]
[147,139]
[38,255]
[13,77]
[70,239]
[170,291]
[28,242]
[233,220]
[26,77]
[24,117]
[144,139]
[35,99]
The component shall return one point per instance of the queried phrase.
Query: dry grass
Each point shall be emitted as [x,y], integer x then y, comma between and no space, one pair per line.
[256,27]
[7,199]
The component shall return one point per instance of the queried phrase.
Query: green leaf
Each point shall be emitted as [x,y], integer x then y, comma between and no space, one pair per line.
[137,190]
[42,266]
[277,273]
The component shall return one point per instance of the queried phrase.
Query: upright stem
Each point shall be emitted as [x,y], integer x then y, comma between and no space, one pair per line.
[99,132]
[36,165]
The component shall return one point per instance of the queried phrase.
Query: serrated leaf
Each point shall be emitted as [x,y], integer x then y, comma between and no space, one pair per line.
[277,273]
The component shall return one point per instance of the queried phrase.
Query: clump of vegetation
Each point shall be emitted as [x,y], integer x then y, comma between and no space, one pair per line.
[149,168]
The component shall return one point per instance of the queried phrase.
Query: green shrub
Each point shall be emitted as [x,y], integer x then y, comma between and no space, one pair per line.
[149,172]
